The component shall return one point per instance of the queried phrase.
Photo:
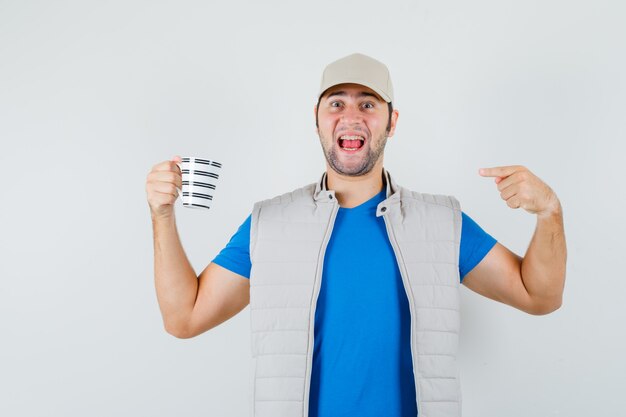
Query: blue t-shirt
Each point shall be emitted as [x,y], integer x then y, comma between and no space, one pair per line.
[362,361]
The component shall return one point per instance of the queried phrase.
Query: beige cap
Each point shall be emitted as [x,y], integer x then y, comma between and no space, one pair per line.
[358,69]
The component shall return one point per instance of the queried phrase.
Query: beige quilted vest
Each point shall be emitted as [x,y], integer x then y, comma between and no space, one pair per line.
[288,238]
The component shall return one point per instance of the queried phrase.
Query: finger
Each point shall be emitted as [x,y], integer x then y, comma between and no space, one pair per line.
[508,181]
[167,177]
[503,171]
[177,159]
[509,192]
[166,188]
[167,166]
[513,202]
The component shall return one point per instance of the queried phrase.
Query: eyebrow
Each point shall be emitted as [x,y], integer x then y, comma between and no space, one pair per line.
[361,94]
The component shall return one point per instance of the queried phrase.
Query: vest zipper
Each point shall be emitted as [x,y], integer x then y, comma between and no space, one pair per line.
[317,284]
[404,275]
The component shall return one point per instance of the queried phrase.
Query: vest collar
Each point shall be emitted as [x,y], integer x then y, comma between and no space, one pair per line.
[322,193]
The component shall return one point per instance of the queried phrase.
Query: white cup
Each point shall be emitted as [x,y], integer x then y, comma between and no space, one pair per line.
[200,178]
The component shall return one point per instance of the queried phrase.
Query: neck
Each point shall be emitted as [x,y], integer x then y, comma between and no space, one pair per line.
[353,191]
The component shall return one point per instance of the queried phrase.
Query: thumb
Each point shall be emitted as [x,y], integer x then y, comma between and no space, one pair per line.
[177,158]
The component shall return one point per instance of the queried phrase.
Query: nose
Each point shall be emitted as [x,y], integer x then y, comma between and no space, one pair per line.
[351,115]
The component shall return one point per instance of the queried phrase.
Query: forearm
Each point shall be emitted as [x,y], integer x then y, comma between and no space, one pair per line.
[543,266]
[175,280]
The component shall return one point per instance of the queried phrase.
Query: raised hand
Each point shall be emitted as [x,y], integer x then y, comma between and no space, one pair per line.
[521,188]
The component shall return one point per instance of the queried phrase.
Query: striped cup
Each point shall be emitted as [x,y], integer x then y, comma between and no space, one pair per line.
[200,176]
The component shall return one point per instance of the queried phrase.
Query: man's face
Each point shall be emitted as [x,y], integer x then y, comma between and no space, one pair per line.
[348,113]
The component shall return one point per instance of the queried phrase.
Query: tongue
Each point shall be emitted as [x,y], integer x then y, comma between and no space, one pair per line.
[351,143]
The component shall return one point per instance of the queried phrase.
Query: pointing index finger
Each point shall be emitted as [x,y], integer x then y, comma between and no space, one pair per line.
[503,171]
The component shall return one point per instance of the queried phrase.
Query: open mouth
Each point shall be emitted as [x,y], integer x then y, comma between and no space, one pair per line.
[351,143]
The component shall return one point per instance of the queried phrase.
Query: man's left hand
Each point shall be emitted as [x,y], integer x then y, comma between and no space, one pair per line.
[521,188]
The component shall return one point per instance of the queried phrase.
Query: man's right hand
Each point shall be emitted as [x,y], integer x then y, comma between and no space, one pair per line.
[162,186]
[190,305]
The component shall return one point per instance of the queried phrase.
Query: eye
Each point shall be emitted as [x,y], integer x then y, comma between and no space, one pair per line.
[332,104]
[371,105]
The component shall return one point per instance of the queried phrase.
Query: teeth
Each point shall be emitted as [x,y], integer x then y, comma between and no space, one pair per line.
[352,137]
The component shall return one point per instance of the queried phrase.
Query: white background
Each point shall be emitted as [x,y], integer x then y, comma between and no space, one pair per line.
[93,94]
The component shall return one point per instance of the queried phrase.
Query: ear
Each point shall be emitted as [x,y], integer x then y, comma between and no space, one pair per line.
[394,119]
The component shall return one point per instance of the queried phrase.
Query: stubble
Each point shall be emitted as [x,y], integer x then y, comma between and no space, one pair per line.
[366,163]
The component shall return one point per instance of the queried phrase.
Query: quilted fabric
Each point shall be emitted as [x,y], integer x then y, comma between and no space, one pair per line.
[288,238]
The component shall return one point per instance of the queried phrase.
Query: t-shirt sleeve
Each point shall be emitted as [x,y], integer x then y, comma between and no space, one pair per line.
[236,255]
[475,244]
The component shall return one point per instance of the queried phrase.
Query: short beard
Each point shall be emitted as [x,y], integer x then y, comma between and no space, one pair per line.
[367,163]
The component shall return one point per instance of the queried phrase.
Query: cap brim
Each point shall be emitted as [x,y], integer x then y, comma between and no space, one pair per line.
[378,91]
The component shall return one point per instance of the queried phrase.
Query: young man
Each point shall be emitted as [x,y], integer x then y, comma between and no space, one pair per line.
[353,281]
